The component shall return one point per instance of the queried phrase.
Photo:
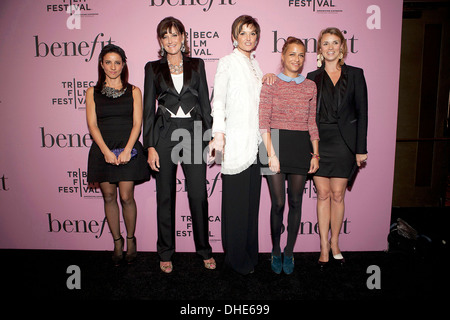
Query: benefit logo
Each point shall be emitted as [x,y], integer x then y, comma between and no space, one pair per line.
[3,183]
[206,4]
[311,42]
[97,228]
[45,48]
[64,140]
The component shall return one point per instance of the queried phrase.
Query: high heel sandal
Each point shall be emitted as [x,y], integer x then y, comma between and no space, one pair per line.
[117,257]
[131,254]
[166,268]
[211,265]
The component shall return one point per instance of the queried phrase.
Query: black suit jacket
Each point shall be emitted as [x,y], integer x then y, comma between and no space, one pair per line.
[158,86]
[352,107]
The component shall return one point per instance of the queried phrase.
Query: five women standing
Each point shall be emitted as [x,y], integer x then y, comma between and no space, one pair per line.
[177,115]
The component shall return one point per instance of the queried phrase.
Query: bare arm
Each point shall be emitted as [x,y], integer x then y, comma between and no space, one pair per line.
[125,155]
[91,118]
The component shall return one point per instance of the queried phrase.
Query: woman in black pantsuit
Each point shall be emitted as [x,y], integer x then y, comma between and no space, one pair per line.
[342,122]
[175,134]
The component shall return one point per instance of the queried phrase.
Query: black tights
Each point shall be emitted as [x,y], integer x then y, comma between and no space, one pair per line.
[277,187]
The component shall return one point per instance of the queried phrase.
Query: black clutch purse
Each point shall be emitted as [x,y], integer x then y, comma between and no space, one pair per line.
[119,151]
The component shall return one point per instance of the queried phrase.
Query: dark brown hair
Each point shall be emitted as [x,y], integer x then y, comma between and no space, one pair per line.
[168,24]
[101,73]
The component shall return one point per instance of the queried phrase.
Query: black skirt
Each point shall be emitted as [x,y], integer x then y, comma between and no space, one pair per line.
[336,158]
[293,149]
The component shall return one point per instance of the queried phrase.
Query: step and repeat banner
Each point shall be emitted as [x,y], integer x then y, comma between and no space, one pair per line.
[49,51]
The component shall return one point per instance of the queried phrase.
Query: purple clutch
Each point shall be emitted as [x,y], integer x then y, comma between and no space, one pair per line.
[119,151]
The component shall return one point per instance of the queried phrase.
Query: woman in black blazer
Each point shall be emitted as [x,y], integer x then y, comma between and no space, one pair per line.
[175,133]
[342,122]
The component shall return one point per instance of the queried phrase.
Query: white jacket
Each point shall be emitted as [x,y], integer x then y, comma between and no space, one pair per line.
[237,86]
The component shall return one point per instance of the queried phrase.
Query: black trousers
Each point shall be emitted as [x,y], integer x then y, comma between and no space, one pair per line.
[178,146]
[240,212]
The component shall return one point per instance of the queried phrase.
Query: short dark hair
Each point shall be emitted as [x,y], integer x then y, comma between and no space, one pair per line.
[101,73]
[243,20]
[169,23]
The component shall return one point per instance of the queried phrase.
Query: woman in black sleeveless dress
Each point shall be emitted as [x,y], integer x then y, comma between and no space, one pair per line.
[116,158]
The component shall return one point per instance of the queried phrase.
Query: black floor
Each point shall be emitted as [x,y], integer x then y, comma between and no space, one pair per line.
[408,270]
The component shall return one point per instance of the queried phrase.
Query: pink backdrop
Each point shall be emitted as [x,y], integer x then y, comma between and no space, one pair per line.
[49,59]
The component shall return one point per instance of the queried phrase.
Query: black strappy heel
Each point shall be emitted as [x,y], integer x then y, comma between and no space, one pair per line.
[131,255]
[117,258]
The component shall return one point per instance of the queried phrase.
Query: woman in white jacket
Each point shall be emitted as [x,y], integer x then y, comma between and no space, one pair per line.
[235,129]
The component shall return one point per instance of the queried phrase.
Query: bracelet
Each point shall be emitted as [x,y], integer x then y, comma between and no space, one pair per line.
[271,156]
[315,155]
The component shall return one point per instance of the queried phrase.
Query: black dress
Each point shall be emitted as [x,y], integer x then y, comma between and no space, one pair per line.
[115,121]
[336,158]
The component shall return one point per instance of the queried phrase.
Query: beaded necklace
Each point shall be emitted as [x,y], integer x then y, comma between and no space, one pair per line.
[113,93]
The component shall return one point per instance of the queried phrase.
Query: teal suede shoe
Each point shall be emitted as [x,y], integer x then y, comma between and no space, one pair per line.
[276,264]
[288,264]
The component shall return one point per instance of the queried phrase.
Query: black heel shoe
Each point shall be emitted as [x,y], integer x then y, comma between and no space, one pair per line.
[131,255]
[117,257]
[322,265]
[339,259]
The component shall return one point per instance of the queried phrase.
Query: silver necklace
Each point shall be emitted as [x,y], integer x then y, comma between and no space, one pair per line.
[176,69]
[113,93]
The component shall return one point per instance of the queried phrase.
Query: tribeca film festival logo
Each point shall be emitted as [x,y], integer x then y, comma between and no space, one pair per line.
[184,229]
[319,6]
[74,94]
[198,43]
[206,4]
[77,185]
[75,9]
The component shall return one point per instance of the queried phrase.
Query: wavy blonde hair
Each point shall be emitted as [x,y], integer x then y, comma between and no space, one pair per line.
[334,31]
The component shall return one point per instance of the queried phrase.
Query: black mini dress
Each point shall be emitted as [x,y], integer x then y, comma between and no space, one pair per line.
[336,158]
[115,121]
